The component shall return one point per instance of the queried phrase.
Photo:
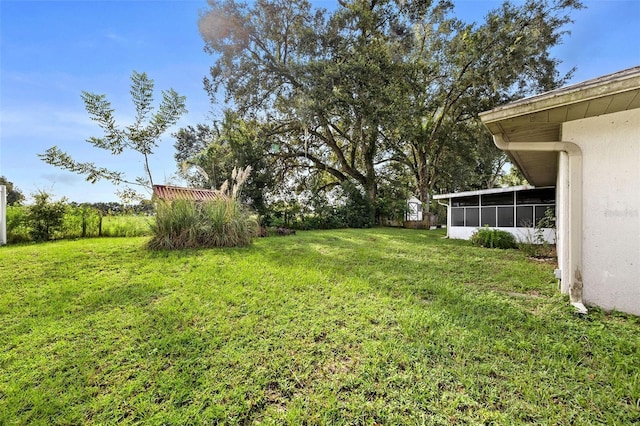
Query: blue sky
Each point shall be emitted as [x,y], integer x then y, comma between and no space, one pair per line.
[50,51]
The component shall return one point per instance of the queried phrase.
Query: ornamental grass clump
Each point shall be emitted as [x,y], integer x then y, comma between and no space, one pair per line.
[223,222]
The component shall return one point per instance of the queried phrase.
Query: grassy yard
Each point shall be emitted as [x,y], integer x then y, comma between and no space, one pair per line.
[126,226]
[382,326]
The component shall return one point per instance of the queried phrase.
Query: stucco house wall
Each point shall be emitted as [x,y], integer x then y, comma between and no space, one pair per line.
[585,140]
[610,147]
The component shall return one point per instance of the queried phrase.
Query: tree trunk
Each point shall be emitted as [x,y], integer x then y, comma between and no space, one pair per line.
[371,192]
[423,177]
[423,183]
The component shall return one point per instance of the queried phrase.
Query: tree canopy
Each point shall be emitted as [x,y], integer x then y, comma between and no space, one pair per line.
[14,195]
[207,155]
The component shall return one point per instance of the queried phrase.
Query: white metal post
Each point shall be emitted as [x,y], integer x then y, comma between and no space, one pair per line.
[3,215]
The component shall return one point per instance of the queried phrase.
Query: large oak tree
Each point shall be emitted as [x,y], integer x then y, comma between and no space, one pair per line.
[381,81]
[207,155]
[323,83]
[460,70]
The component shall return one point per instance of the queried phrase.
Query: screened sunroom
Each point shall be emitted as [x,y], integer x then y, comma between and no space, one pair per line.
[518,210]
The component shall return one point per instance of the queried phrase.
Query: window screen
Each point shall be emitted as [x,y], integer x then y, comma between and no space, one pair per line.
[465,201]
[505,217]
[540,211]
[488,216]
[457,217]
[524,215]
[500,199]
[472,217]
[503,209]
[537,196]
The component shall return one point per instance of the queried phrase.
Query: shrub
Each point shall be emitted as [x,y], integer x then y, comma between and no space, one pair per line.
[189,224]
[275,231]
[80,222]
[223,222]
[17,230]
[344,206]
[391,210]
[45,216]
[357,209]
[37,222]
[493,238]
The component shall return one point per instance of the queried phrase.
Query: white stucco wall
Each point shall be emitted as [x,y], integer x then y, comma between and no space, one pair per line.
[611,208]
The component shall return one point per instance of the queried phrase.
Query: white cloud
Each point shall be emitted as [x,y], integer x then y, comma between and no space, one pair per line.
[66,179]
[44,123]
[116,37]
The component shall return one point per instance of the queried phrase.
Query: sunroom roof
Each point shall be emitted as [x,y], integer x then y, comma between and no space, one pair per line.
[484,192]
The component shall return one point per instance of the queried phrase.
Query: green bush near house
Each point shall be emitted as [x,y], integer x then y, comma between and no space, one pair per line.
[534,243]
[493,238]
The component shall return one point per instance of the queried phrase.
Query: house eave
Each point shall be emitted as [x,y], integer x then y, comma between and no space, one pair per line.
[623,82]
[540,118]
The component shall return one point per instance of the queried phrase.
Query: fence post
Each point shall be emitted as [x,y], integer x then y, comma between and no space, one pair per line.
[3,215]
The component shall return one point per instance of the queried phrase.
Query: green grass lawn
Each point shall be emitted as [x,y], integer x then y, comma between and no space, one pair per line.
[126,226]
[381,326]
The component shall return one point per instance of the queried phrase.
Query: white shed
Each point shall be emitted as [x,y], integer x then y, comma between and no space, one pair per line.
[585,140]
[414,210]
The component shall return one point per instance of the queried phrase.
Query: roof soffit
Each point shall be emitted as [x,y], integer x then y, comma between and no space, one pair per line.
[540,118]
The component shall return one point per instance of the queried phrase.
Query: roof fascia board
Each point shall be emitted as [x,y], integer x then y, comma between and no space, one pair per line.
[592,89]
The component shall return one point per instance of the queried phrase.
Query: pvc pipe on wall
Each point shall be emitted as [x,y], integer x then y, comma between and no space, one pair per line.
[570,205]
[448,206]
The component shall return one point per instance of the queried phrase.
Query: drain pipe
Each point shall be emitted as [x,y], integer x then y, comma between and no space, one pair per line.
[448,216]
[569,211]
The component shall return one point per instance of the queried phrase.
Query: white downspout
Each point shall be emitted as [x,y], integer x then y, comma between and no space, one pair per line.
[448,215]
[569,204]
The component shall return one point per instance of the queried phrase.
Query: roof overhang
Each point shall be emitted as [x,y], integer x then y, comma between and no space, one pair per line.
[540,118]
